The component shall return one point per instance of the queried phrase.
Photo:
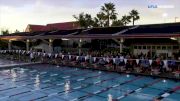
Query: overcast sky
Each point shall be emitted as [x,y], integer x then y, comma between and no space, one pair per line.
[16,14]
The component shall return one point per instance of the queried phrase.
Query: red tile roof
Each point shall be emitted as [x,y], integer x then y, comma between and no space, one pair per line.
[64,26]
[54,26]
[35,28]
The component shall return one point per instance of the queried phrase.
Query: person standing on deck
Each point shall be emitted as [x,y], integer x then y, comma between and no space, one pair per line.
[31,56]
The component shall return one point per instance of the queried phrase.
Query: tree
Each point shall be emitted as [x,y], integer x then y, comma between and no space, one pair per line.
[134,15]
[117,23]
[109,12]
[5,32]
[106,17]
[100,19]
[85,20]
[16,31]
[96,22]
[126,20]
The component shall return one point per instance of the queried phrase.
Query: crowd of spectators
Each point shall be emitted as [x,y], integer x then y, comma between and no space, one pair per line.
[105,61]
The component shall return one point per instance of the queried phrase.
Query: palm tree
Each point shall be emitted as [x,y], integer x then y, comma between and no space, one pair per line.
[100,19]
[85,20]
[96,22]
[80,19]
[126,19]
[109,11]
[117,23]
[134,15]
[5,32]
[16,31]
[89,20]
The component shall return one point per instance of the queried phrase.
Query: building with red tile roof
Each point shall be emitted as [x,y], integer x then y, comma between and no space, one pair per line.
[53,26]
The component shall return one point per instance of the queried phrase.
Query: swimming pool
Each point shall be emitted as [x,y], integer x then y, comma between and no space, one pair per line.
[50,83]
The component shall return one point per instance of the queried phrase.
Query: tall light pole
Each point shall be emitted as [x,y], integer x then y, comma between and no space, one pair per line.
[164,15]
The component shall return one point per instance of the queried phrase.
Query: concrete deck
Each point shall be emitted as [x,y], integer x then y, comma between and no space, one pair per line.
[7,63]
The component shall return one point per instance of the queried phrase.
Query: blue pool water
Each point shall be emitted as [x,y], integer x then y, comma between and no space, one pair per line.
[50,83]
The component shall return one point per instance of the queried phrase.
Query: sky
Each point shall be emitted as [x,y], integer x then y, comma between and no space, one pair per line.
[17,14]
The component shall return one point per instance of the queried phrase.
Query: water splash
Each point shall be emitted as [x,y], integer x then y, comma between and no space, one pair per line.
[127,75]
[37,82]
[110,98]
[67,87]
[14,75]
[164,81]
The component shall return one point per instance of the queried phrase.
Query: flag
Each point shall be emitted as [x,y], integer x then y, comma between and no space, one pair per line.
[85,58]
[137,61]
[56,55]
[44,54]
[69,57]
[77,57]
[49,54]
[94,59]
[39,53]
[114,60]
[62,56]
[165,63]
[125,60]
[150,62]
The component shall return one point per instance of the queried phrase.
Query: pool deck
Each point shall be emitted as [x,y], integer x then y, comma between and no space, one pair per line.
[7,63]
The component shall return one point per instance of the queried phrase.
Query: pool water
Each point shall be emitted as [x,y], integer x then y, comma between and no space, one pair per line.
[50,83]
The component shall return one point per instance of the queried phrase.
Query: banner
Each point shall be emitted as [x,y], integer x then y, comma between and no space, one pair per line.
[114,60]
[165,63]
[62,56]
[44,54]
[150,62]
[85,58]
[49,54]
[56,55]
[137,61]
[39,53]
[77,57]
[94,59]
[69,57]
[31,55]
[20,51]
[23,52]
[28,52]
[125,61]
